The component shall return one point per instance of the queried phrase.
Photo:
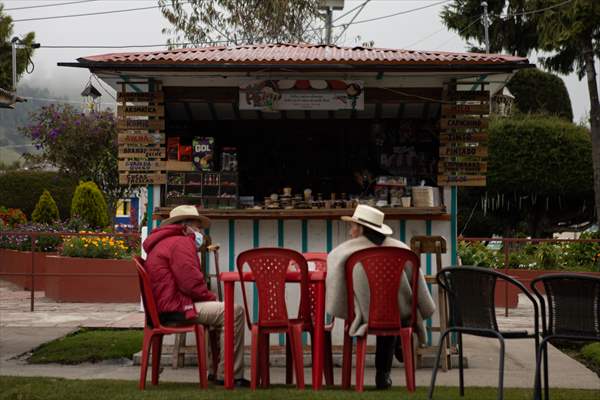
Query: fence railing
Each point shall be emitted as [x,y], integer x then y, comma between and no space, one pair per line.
[511,245]
[132,239]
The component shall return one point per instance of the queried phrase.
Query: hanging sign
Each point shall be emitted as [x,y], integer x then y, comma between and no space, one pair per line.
[142,165]
[461,180]
[142,179]
[465,109]
[141,138]
[460,123]
[462,167]
[140,111]
[141,124]
[135,151]
[273,95]
[463,138]
[140,97]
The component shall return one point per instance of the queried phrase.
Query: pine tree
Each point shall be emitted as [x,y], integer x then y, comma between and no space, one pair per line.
[89,205]
[46,211]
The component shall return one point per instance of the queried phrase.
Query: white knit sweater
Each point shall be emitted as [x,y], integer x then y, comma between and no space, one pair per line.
[336,295]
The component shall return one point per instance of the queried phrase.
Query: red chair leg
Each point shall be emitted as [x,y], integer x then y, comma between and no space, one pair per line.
[409,366]
[361,353]
[145,354]
[214,339]
[347,360]
[254,357]
[289,367]
[156,353]
[328,359]
[201,352]
[264,361]
[297,354]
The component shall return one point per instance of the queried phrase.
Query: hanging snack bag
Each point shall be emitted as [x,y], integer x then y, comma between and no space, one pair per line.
[203,149]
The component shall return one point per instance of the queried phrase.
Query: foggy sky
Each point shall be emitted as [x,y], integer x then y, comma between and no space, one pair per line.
[144,27]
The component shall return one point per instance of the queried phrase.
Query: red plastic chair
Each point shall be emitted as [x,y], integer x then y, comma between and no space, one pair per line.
[269,267]
[384,267]
[320,261]
[154,332]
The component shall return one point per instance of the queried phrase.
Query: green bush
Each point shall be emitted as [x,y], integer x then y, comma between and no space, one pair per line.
[477,254]
[45,211]
[539,92]
[22,189]
[89,205]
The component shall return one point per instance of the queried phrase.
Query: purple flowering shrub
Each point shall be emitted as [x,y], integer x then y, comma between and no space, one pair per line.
[43,243]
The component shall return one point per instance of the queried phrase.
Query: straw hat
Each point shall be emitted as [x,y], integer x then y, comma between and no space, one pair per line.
[370,217]
[182,213]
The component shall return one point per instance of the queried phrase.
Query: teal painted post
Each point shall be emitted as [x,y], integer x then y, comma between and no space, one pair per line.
[453,225]
[428,269]
[231,235]
[149,207]
[304,246]
[329,228]
[403,231]
[255,244]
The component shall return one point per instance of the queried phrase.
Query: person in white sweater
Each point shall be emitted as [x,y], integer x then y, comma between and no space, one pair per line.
[368,230]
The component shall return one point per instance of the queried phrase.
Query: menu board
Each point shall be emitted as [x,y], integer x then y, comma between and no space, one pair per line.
[463,137]
[141,137]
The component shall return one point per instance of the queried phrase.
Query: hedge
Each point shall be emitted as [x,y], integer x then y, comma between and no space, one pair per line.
[22,189]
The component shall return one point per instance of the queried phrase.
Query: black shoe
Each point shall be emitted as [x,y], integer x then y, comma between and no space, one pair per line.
[240,383]
[383,381]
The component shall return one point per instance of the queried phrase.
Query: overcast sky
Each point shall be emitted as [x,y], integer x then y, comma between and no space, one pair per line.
[422,30]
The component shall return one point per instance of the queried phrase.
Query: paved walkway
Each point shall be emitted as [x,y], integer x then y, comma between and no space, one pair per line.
[52,320]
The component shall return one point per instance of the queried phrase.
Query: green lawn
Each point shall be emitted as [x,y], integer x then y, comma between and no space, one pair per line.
[591,355]
[89,345]
[48,389]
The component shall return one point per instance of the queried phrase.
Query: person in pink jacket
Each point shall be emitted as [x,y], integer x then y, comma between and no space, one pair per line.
[179,286]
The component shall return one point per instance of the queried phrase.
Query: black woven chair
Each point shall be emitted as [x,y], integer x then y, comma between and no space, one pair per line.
[470,292]
[573,313]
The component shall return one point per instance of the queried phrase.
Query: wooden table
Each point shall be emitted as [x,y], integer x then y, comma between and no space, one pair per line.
[315,277]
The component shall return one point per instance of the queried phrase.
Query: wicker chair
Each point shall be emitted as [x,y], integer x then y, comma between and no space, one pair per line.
[573,313]
[470,293]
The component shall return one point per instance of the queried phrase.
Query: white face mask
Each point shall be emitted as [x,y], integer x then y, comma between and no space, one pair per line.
[199,238]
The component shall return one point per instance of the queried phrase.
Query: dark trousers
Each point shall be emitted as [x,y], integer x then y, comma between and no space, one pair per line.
[384,353]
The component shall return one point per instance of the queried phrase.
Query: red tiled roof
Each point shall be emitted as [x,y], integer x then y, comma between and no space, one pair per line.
[302,54]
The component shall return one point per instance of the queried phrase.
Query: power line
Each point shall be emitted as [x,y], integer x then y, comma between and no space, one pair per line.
[48,5]
[424,38]
[461,31]
[129,46]
[89,14]
[536,11]
[362,7]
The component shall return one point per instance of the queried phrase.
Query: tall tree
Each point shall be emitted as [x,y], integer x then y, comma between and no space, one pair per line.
[240,22]
[82,146]
[567,30]
[23,55]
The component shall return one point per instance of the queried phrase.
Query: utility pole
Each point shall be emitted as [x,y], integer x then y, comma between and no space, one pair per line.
[486,26]
[17,44]
[328,23]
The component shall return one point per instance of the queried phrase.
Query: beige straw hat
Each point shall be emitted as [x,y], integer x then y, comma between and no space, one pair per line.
[182,213]
[370,217]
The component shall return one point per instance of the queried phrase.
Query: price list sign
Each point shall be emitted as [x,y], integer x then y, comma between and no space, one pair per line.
[141,137]
[464,137]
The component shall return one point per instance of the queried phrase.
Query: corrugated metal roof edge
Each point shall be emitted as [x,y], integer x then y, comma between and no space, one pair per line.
[430,66]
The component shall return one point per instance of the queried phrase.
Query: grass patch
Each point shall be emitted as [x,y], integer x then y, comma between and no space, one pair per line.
[591,356]
[89,345]
[31,388]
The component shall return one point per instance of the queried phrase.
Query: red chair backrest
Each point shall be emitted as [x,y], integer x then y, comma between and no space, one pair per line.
[384,267]
[320,260]
[150,309]
[269,267]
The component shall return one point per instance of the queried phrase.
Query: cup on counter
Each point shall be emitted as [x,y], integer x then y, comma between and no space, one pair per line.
[287,191]
[405,201]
